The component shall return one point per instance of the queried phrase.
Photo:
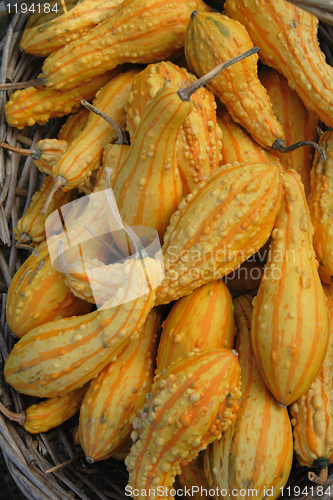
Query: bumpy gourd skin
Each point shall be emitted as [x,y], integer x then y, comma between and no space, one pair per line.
[86,151]
[287,37]
[140,31]
[38,294]
[189,406]
[118,392]
[256,452]
[219,226]
[73,125]
[48,414]
[321,205]
[192,475]
[51,150]
[299,124]
[61,356]
[32,223]
[203,320]
[290,321]
[199,138]
[312,414]
[44,38]
[38,105]
[211,39]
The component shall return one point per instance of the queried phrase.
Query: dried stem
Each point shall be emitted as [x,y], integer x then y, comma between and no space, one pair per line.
[24,246]
[34,153]
[15,417]
[321,479]
[59,182]
[22,85]
[121,136]
[280,146]
[108,245]
[61,466]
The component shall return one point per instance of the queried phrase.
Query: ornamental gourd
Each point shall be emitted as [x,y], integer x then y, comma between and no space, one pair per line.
[255,454]
[61,356]
[39,104]
[74,124]
[219,226]
[202,321]
[43,38]
[298,123]
[138,32]
[199,138]
[192,476]
[312,414]
[290,321]
[117,393]
[320,206]
[287,37]
[212,38]
[189,406]
[38,294]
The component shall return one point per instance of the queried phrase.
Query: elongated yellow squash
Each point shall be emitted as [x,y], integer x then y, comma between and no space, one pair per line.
[73,125]
[189,406]
[290,321]
[219,226]
[202,321]
[117,393]
[255,454]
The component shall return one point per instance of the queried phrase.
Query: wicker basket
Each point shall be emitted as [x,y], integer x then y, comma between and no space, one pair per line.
[47,466]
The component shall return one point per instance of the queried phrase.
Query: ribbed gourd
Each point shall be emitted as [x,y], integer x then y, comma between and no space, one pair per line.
[72,351]
[287,37]
[189,406]
[112,156]
[255,454]
[199,138]
[39,104]
[219,226]
[312,414]
[86,151]
[212,38]
[237,144]
[47,152]
[298,123]
[192,477]
[290,321]
[320,206]
[43,38]
[139,32]
[74,124]
[117,393]
[30,228]
[38,294]
[201,321]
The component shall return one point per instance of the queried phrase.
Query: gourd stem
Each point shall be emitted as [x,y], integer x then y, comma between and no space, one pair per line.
[321,479]
[185,93]
[62,259]
[16,417]
[34,153]
[25,246]
[59,182]
[121,136]
[280,146]
[61,466]
[24,238]
[23,85]
[108,245]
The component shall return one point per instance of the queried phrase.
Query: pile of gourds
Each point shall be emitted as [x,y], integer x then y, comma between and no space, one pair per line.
[206,167]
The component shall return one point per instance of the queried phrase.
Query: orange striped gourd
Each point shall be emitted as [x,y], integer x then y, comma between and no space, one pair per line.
[219,226]
[148,187]
[255,454]
[320,206]
[86,151]
[192,477]
[30,228]
[117,393]
[199,139]
[74,350]
[73,126]
[138,32]
[298,123]
[42,38]
[202,321]
[287,37]
[312,414]
[112,156]
[40,104]
[189,406]
[38,294]
[47,152]
[238,145]
[212,38]
[290,321]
